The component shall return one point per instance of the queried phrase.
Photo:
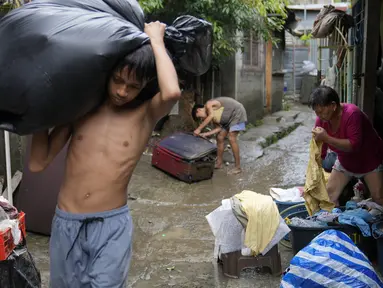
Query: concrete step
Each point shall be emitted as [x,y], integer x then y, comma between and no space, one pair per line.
[271,120]
[254,140]
[287,116]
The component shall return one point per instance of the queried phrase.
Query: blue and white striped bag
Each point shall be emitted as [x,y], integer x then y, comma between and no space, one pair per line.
[331,260]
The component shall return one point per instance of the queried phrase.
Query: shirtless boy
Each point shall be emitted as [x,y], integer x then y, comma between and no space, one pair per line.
[91,238]
[229,117]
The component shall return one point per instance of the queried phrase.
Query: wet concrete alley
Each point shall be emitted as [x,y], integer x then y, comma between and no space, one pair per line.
[173,243]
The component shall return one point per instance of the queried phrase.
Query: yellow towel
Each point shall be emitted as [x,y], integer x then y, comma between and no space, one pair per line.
[315,193]
[263,216]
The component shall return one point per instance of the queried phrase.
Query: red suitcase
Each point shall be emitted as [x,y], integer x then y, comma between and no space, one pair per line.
[185,156]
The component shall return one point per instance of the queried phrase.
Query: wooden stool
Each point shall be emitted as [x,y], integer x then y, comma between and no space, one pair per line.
[233,263]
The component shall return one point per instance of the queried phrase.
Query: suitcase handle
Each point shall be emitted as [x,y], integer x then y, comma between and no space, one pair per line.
[199,136]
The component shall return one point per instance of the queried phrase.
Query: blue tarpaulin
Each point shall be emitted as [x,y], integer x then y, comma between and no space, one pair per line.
[331,260]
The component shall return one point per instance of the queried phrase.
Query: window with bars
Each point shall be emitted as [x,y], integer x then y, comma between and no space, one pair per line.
[251,57]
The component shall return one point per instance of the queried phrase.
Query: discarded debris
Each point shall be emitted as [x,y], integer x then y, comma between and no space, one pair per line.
[171,268]
[147,152]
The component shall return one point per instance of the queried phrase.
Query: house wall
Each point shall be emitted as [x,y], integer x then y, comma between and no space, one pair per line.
[251,92]
[244,81]
[228,74]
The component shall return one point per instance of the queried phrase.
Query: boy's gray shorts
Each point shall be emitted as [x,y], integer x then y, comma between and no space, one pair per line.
[90,250]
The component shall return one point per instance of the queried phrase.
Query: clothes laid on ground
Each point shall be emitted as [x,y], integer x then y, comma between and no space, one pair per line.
[233,112]
[315,193]
[330,260]
[263,219]
[367,153]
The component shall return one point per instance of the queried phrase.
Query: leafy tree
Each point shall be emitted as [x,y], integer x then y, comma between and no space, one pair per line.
[227,17]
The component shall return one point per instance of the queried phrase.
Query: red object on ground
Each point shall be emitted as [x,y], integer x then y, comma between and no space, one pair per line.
[6,239]
[186,157]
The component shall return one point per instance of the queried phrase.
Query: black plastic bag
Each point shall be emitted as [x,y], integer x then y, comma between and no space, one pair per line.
[19,271]
[189,40]
[56,57]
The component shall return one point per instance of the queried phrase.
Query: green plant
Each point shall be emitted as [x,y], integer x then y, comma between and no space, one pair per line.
[6,7]
[286,106]
[259,122]
[306,37]
[227,18]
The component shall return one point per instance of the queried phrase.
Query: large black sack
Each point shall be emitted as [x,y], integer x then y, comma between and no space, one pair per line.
[56,57]
[19,269]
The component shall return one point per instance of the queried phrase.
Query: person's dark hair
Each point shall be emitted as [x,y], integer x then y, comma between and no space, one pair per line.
[323,96]
[194,110]
[141,62]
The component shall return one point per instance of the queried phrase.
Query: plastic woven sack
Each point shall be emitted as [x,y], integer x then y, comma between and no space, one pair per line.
[331,260]
[56,57]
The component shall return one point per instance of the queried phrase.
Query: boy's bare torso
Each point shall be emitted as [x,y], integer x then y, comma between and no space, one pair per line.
[103,152]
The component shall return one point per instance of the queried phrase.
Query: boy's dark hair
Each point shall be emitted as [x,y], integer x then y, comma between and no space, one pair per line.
[323,96]
[142,62]
[194,110]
